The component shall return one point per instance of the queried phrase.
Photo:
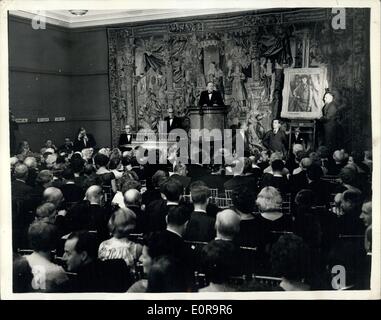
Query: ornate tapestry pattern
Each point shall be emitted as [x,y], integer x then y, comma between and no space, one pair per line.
[157,65]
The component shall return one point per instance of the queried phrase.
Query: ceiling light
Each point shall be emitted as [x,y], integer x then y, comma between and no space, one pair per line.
[78,12]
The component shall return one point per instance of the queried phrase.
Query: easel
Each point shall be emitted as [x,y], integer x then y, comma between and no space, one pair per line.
[307,127]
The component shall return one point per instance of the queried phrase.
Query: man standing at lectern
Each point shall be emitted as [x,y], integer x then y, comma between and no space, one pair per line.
[210,97]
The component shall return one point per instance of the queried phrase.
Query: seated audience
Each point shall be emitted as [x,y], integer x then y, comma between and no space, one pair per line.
[293,161]
[106,178]
[151,250]
[172,238]
[133,201]
[47,276]
[271,220]
[83,140]
[22,275]
[276,179]
[23,204]
[157,210]
[227,225]
[349,178]
[307,223]
[67,146]
[320,189]
[121,224]
[290,260]
[242,176]
[153,189]
[298,179]
[339,162]
[116,167]
[62,191]
[71,192]
[348,222]
[167,275]
[92,274]
[90,214]
[31,163]
[275,156]
[201,225]
[180,174]
[123,185]
[48,213]
[366,217]
[219,262]
[244,204]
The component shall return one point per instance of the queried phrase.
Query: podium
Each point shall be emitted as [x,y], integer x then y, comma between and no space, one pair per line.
[210,118]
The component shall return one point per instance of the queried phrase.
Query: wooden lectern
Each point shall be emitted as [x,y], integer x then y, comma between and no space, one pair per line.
[210,117]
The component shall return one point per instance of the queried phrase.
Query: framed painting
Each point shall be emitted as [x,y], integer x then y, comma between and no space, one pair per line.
[303,93]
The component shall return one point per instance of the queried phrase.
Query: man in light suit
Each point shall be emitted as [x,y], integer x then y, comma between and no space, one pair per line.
[210,97]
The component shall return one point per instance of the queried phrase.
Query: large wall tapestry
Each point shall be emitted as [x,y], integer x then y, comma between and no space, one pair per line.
[161,64]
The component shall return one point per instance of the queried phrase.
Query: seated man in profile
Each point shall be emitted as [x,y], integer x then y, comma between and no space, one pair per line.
[210,97]
[92,274]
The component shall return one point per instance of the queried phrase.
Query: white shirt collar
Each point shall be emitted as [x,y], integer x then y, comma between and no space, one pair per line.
[172,203]
[173,231]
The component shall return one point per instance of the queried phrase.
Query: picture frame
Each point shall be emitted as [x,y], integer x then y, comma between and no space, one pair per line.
[303,93]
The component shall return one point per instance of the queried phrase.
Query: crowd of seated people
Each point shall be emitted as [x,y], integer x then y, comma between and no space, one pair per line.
[96,220]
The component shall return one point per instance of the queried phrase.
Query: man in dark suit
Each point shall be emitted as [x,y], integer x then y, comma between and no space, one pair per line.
[93,275]
[276,139]
[210,97]
[125,138]
[201,225]
[83,140]
[22,205]
[329,121]
[180,174]
[172,237]
[71,192]
[157,210]
[90,214]
[276,179]
[170,242]
[245,178]
[299,138]
[319,187]
[133,201]
[172,121]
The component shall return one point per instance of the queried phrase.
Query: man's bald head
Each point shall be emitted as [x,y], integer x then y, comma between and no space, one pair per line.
[132,197]
[94,194]
[21,171]
[297,147]
[53,195]
[227,224]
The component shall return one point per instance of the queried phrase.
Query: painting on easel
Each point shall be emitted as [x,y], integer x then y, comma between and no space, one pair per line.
[303,93]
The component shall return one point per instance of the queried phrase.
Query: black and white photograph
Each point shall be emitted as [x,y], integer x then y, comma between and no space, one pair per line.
[190,150]
[303,93]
